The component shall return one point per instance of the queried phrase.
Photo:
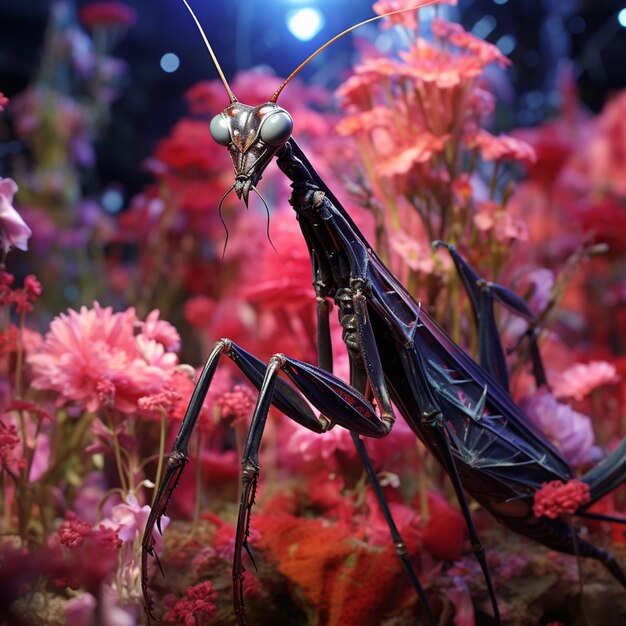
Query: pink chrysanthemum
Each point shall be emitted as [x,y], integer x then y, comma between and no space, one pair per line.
[581,379]
[555,498]
[96,357]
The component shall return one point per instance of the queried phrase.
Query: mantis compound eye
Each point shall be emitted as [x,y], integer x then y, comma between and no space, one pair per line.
[219,130]
[276,129]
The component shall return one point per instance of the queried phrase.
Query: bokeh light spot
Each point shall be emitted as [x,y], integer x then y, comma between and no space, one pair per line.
[170,62]
[305,23]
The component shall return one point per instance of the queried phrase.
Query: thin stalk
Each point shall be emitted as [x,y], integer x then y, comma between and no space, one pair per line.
[157,482]
[579,565]
[118,456]
[19,357]
[196,508]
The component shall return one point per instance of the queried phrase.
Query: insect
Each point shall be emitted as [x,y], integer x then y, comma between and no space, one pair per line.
[398,355]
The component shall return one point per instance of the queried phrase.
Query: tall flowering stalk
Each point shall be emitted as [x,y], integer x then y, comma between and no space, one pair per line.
[427,168]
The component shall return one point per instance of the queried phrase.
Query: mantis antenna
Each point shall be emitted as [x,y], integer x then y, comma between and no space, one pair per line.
[229,91]
[340,35]
[274,98]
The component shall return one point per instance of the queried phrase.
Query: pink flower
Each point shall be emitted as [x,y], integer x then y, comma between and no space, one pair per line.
[571,430]
[413,253]
[80,611]
[161,401]
[95,357]
[492,217]
[607,149]
[581,379]
[107,14]
[503,147]
[3,101]
[237,404]
[14,232]
[461,599]
[161,331]
[420,151]
[456,35]
[128,520]
[310,446]
[556,497]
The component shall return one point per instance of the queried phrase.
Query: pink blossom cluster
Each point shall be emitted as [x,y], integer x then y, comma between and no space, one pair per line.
[102,359]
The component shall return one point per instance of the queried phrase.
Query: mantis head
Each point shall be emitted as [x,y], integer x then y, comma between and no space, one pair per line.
[253,135]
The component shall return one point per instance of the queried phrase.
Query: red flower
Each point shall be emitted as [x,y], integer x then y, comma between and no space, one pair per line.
[72,531]
[198,311]
[555,498]
[9,448]
[9,339]
[195,608]
[107,14]
[444,535]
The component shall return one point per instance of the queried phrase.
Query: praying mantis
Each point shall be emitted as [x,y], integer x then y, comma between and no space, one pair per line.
[401,361]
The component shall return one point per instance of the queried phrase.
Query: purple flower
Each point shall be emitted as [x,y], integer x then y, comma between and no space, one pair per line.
[14,232]
[570,429]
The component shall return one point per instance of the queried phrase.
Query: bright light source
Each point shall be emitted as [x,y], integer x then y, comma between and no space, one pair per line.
[305,23]
[170,62]
[621,17]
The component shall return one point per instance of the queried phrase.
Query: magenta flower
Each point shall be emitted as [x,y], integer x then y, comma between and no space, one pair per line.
[96,357]
[581,379]
[14,232]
